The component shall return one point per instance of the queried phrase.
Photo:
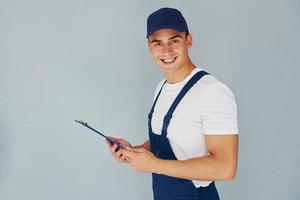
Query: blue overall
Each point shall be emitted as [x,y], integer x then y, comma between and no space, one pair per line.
[172,188]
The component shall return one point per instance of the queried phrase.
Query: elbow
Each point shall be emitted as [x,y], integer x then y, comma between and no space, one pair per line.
[229,169]
[229,174]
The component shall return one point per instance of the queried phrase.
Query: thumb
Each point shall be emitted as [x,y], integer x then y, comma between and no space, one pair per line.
[139,150]
[128,148]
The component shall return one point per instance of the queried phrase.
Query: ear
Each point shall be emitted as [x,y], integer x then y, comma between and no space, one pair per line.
[148,43]
[189,40]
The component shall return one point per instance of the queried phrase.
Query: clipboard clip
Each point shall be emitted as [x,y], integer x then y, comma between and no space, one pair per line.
[106,137]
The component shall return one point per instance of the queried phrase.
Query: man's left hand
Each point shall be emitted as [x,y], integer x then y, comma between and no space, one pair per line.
[140,159]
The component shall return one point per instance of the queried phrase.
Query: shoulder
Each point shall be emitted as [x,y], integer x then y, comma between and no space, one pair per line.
[217,106]
[212,86]
[212,95]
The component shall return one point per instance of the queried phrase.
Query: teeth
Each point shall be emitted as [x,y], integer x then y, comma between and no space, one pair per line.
[168,60]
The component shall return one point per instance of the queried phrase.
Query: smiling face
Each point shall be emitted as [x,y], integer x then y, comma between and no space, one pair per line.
[169,49]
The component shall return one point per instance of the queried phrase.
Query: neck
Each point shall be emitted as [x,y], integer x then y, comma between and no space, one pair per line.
[180,74]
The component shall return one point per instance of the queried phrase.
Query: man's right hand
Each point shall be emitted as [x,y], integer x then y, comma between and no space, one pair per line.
[115,151]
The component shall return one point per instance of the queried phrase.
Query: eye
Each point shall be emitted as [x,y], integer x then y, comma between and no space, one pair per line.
[157,44]
[175,41]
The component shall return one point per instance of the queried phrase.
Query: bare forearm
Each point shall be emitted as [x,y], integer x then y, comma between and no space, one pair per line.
[202,168]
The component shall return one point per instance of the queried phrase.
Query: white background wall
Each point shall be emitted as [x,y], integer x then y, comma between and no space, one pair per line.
[65,60]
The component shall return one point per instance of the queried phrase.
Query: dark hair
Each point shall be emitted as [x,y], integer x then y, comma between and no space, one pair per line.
[187,33]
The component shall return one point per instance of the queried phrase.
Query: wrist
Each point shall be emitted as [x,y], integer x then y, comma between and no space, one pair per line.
[145,145]
[156,165]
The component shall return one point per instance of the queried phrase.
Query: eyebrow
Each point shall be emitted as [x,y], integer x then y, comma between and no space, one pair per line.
[171,38]
[155,40]
[175,36]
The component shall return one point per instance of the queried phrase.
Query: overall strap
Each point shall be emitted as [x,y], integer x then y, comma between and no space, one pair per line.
[179,97]
[152,109]
[153,106]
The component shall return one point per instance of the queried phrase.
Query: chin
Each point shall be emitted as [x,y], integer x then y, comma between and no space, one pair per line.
[168,70]
[167,67]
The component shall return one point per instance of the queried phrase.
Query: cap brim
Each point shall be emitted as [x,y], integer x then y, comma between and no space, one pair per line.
[176,28]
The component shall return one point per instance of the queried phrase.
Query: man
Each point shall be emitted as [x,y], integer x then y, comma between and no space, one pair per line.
[192,124]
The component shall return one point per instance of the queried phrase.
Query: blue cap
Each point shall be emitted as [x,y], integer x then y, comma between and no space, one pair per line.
[166,18]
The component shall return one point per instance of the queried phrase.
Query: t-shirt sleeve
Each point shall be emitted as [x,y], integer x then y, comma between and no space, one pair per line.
[218,110]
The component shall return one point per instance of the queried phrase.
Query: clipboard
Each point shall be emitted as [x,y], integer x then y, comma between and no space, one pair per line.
[101,134]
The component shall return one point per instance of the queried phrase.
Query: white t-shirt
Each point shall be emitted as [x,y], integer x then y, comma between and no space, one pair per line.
[208,108]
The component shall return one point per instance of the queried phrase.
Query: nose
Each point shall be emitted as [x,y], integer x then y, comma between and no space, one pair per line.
[167,48]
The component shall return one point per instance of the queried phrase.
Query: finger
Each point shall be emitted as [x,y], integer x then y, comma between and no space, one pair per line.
[117,148]
[126,159]
[109,144]
[127,153]
[120,141]
[128,148]
[123,159]
[118,154]
[112,141]
[114,149]
[113,146]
